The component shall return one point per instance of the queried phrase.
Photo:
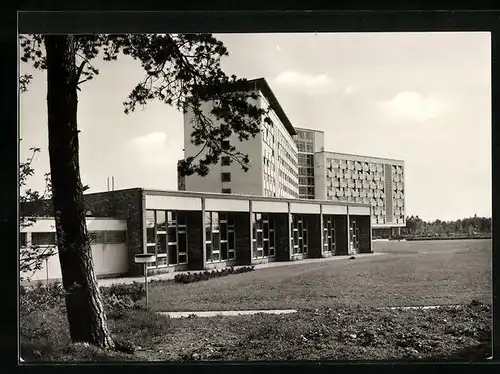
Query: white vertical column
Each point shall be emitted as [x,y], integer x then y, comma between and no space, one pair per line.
[348,231]
[250,236]
[290,232]
[144,228]
[371,232]
[322,239]
[203,233]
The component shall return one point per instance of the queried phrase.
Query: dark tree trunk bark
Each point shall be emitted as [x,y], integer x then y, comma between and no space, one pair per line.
[86,317]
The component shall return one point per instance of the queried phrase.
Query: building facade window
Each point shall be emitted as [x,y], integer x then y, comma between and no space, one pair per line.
[226,190]
[166,237]
[263,244]
[225,160]
[299,234]
[23,240]
[43,238]
[226,177]
[328,234]
[107,237]
[220,240]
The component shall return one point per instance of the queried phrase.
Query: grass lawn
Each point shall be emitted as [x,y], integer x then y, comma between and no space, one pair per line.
[409,273]
[336,320]
[325,334]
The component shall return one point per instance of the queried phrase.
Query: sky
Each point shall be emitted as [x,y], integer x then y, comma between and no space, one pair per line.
[424,98]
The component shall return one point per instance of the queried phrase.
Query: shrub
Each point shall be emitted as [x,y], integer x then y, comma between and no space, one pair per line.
[134,291]
[205,275]
[39,297]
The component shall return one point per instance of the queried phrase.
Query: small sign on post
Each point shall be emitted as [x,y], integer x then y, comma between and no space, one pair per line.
[145,258]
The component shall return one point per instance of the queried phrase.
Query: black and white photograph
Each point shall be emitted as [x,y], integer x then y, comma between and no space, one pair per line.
[277,196]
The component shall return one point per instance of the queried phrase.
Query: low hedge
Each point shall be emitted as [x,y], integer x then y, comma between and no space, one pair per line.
[415,238]
[206,275]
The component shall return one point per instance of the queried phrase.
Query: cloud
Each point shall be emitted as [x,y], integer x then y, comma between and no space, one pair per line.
[413,106]
[349,90]
[154,139]
[307,83]
[156,149]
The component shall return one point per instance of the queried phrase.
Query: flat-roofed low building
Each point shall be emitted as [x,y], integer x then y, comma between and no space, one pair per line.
[108,241]
[195,231]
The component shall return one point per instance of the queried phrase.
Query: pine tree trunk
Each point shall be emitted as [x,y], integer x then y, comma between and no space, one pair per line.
[86,317]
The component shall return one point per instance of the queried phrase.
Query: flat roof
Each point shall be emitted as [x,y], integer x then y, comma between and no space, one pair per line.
[354,157]
[262,85]
[306,129]
[248,197]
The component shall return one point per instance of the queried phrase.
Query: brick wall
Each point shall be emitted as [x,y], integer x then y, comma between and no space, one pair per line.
[123,204]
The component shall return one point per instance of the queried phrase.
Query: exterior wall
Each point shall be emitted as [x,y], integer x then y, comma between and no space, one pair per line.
[195,239]
[369,180]
[280,151]
[272,152]
[126,205]
[243,249]
[364,234]
[320,176]
[282,231]
[131,205]
[109,259]
[341,240]
[315,232]
[242,182]
[181,180]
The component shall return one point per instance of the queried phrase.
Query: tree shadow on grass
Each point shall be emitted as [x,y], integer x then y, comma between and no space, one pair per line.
[478,352]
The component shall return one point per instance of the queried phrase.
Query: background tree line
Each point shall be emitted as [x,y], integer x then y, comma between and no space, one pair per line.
[415,226]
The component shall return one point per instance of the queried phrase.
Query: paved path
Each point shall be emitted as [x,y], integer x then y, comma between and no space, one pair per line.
[166,276]
[226,313]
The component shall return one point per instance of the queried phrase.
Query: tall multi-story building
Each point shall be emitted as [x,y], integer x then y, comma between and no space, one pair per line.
[273,156]
[292,162]
[362,179]
[308,143]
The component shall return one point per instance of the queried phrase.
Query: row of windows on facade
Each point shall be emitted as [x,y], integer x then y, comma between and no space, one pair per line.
[283,153]
[288,167]
[358,174]
[305,160]
[96,237]
[363,192]
[365,166]
[365,177]
[374,201]
[306,147]
[304,190]
[268,137]
[170,246]
[288,178]
[364,185]
[166,237]
[306,181]
[301,134]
